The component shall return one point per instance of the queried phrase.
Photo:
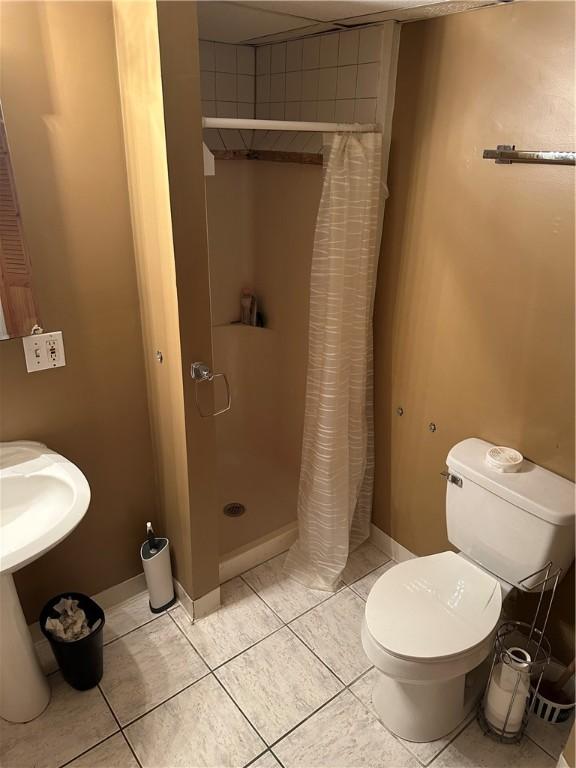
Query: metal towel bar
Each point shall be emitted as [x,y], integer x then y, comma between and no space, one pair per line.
[505,154]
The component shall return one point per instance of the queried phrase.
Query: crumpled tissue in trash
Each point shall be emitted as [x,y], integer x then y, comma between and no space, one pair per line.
[71,624]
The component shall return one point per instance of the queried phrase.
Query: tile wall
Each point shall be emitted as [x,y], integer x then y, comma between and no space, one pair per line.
[328,78]
[228,87]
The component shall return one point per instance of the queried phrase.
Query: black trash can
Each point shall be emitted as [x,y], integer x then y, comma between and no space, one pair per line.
[80,661]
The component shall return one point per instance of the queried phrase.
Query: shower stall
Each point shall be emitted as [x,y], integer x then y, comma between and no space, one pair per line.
[264,187]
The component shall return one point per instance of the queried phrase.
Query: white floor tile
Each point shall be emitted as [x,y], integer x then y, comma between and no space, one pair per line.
[147,666]
[127,616]
[46,657]
[332,631]
[266,761]
[112,753]
[73,722]
[363,586]
[287,597]
[343,734]
[241,620]
[472,749]
[278,683]
[362,560]
[424,751]
[552,737]
[199,727]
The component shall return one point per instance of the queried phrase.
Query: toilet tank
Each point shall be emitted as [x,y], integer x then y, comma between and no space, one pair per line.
[511,524]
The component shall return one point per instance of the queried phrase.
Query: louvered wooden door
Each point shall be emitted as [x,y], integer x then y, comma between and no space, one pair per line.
[16,291]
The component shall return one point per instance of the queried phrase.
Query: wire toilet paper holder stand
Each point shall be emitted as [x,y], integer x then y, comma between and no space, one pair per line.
[521,654]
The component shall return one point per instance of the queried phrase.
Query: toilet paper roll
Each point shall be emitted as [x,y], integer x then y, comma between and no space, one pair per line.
[516,663]
[498,702]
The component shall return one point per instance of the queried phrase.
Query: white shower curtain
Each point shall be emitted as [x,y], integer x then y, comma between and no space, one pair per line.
[337,470]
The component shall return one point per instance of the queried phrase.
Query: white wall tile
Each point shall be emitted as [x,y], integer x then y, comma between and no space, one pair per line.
[207,56]
[245,59]
[292,110]
[310,85]
[262,88]
[208,110]
[226,109]
[347,82]
[246,110]
[262,111]
[314,144]
[262,59]
[365,111]
[293,55]
[310,53]
[345,111]
[348,48]
[232,139]
[293,86]
[326,111]
[278,58]
[329,50]
[207,85]
[284,141]
[309,111]
[367,86]
[225,87]
[327,80]
[300,141]
[370,44]
[225,57]
[245,87]
[213,139]
[277,87]
[277,111]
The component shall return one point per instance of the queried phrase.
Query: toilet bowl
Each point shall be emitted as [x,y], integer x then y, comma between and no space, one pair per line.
[428,629]
[429,623]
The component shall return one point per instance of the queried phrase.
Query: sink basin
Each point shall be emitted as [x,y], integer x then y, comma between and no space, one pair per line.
[43,497]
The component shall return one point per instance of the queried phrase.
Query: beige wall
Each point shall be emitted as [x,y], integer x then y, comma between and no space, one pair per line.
[178,37]
[60,96]
[474,323]
[261,219]
[136,27]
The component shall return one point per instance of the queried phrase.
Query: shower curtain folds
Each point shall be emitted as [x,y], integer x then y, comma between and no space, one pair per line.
[337,469]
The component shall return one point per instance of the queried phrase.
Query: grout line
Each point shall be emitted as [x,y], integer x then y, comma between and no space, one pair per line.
[160,703]
[244,715]
[131,748]
[85,752]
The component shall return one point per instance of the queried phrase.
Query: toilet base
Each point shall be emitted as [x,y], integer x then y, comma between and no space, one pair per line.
[430,710]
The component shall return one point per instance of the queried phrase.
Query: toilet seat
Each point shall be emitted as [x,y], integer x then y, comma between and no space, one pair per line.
[442,607]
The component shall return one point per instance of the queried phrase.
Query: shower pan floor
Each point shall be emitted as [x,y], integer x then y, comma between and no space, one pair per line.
[268,488]
[277,677]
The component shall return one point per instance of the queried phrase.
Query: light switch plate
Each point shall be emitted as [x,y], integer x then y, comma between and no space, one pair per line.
[44,350]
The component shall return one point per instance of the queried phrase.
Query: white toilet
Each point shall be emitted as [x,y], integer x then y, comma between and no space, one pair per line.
[429,622]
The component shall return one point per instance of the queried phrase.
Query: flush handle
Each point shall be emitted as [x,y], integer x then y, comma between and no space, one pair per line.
[451,478]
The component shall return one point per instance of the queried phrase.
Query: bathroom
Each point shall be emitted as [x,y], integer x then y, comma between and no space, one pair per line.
[143,233]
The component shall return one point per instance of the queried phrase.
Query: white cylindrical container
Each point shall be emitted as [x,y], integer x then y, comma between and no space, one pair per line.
[155,554]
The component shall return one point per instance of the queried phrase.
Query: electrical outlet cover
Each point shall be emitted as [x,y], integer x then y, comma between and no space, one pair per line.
[43,351]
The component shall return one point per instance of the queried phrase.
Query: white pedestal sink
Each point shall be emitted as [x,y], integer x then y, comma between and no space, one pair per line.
[43,497]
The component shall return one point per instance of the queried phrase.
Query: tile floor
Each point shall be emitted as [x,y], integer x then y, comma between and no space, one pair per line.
[277,677]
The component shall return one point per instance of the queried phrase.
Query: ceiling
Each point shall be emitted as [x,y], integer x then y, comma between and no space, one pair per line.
[263,21]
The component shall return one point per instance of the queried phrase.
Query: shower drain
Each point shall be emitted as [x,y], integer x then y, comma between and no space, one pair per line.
[234,509]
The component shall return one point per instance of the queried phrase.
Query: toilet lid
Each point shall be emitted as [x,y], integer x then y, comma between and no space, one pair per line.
[433,607]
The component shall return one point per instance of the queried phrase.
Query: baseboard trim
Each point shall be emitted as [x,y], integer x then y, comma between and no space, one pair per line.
[389,546]
[244,558]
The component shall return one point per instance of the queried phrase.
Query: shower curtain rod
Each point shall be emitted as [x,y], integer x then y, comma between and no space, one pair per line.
[287,125]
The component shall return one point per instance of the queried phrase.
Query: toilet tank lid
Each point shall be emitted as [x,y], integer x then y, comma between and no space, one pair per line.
[534,489]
